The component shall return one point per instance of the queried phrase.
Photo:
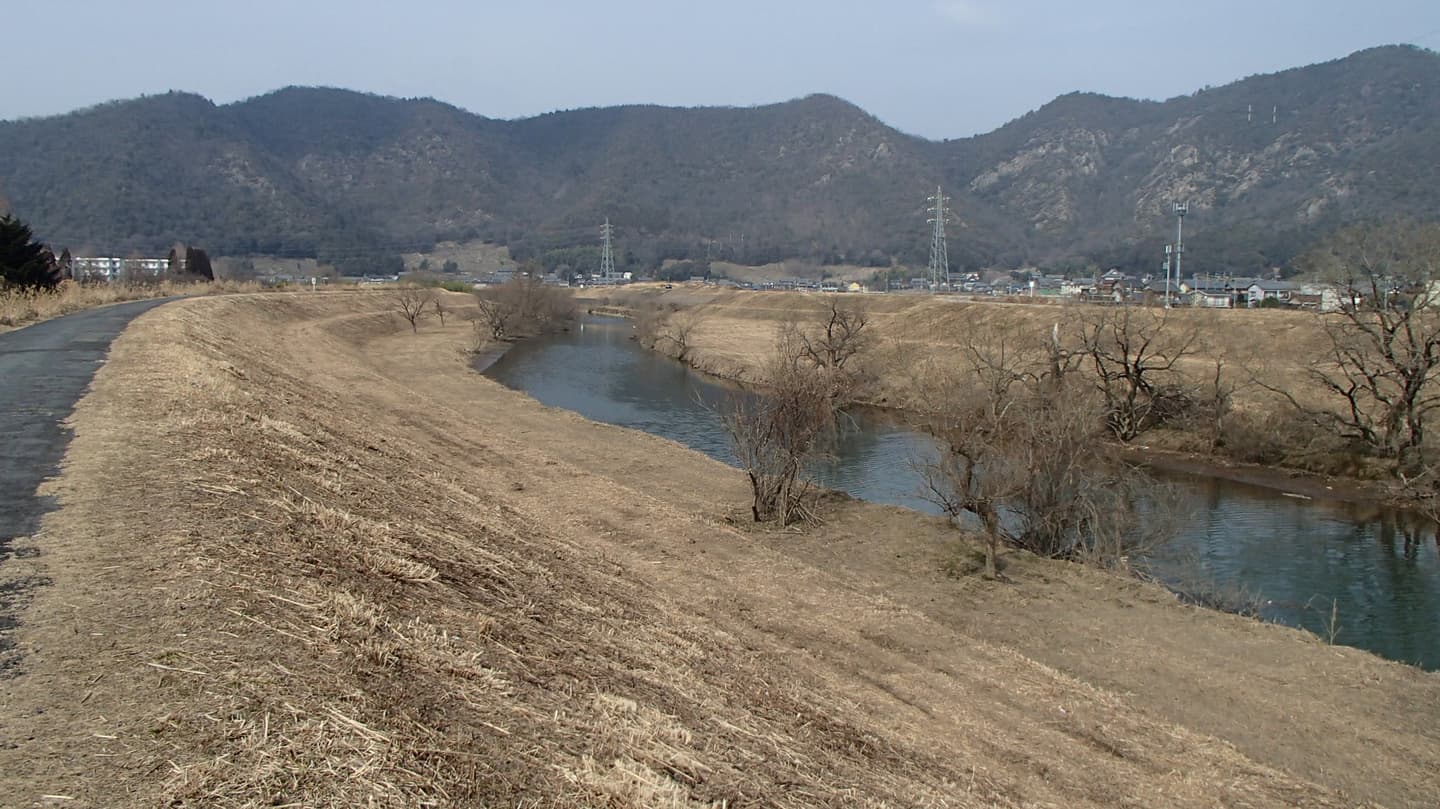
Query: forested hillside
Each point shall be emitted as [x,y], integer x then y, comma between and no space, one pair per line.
[1268,164]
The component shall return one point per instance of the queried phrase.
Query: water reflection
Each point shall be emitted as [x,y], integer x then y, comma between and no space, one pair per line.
[1380,570]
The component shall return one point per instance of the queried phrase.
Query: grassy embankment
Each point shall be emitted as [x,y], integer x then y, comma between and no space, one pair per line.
[735,331]
[304,556]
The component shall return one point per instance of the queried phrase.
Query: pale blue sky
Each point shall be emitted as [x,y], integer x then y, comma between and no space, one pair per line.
[938,68]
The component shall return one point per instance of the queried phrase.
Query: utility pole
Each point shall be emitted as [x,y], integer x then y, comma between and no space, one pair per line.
[939,256]
[607,253]
[1181,208]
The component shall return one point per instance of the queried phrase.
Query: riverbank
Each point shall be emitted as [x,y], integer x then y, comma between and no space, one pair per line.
[733,333]
[354,570]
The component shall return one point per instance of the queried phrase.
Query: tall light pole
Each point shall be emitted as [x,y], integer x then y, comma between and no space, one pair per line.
[1181,208]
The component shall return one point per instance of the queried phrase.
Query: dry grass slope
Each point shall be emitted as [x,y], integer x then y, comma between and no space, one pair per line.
[345,587]
[736,327]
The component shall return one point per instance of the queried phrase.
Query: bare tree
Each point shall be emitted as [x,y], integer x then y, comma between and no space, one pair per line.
[1383,344]
[676,332]
[1135,356]
[667,332]
[831,346]
[496,314]
[411,303]
[842,335]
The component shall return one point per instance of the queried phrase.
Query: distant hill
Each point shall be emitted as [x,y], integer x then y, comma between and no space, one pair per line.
[357,178]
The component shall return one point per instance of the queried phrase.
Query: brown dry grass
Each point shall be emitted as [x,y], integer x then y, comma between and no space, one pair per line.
[23,307]
[306,558]
[736,328]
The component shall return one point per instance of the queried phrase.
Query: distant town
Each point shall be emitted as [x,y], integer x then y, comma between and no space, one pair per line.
[1111,287]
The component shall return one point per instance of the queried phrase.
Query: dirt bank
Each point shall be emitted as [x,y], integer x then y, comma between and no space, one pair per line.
[303,555]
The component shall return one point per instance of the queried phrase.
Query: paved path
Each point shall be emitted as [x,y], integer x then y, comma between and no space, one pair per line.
[44,370]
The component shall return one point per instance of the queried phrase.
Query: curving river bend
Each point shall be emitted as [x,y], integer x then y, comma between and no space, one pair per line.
[1376,571]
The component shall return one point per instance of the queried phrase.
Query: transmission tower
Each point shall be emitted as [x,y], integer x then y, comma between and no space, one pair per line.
[939,258]
[607,253]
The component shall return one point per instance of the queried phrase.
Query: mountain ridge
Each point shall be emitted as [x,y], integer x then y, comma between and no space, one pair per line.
[1083,178]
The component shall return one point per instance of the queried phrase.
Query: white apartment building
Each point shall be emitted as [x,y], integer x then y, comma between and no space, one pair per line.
[108,268]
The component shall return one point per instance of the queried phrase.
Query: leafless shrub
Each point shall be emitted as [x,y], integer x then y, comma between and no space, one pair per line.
[1217,402]
[646,322]
[1211,414]
[1021,449]
[1277,434]
[777,436]
[524,305]
[809,380]
[669,332]
[481,338]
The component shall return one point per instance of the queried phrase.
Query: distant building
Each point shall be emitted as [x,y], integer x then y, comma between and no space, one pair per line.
[378,280]
[1279,291]
[111,269]
[1210,292]
[84,268]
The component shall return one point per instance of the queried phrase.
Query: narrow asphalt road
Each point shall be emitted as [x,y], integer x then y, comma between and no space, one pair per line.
[44,370]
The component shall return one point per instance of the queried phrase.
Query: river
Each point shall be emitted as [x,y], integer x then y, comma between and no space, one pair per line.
[1376,572]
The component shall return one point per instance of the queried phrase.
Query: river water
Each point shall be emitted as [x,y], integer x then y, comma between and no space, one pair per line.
[1376,571]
